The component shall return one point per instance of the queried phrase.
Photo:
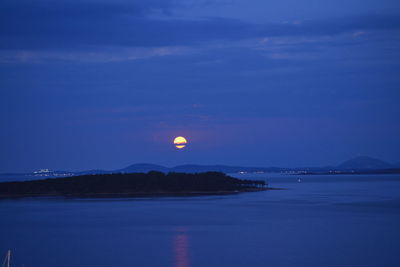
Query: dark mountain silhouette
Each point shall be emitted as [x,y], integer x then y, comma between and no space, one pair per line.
[193,168]
[143,167]
[364,163]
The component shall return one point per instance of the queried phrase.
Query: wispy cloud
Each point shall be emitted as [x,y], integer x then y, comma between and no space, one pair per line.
[41,26]
[108,54]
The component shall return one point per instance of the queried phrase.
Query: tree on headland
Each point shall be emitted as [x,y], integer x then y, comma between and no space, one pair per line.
[153,182]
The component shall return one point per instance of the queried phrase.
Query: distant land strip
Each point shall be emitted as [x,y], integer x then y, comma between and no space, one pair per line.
[358,165]
[383,171]
[153,183]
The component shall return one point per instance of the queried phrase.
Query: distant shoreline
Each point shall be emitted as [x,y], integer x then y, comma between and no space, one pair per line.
[352,172]
[135,195]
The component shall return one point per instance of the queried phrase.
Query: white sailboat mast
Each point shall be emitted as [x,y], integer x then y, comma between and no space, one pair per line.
[9,258]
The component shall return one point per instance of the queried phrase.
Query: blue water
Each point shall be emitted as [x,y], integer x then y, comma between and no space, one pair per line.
[320,221]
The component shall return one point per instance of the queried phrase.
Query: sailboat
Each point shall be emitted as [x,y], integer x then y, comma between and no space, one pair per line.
[7,259]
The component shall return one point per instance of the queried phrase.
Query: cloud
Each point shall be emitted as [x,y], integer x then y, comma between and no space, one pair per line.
[109,54]
[37,31]
[41,25]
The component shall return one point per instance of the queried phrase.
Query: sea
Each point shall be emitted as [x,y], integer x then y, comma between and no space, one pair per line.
[307,220]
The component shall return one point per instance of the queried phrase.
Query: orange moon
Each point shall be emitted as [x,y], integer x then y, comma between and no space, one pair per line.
[180,142]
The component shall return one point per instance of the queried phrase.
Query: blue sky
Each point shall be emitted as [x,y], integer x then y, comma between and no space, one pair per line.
[103,84]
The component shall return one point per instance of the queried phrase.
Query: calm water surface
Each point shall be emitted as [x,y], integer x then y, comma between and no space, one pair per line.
[320,221]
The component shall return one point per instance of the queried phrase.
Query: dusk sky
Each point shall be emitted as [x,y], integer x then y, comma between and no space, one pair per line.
[104,84]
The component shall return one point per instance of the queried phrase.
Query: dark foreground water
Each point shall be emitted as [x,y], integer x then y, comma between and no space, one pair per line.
[320,221]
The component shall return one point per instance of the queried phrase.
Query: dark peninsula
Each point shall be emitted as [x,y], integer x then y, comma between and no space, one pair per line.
[153,183]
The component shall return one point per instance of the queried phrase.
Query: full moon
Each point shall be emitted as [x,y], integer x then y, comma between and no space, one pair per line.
[180,142]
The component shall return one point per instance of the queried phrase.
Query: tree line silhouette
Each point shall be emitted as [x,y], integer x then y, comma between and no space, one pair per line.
[153,182]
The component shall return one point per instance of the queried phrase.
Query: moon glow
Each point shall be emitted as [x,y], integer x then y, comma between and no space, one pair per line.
[180,142]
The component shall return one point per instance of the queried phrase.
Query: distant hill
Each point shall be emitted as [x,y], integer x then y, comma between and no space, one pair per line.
[143,167]
[193,168]
[364,163]
[221,168]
